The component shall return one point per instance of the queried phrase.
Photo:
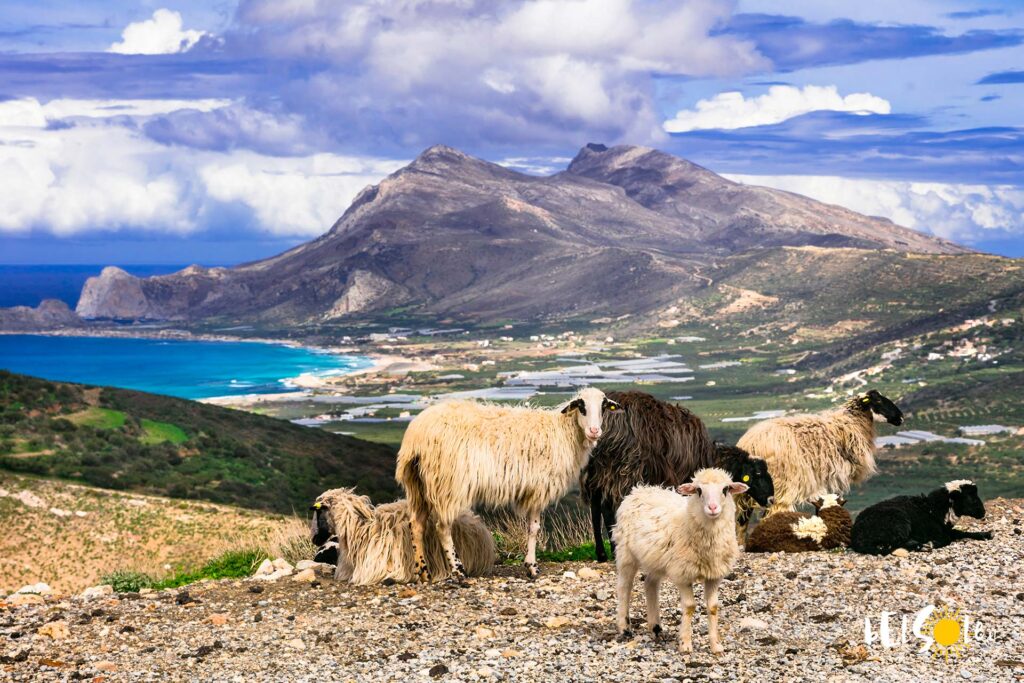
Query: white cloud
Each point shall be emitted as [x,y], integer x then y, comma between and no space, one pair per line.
[729,110]
[161,35]
[292,196]
[497,72]
[30,112]
[960,212]
[69,181]
[90,178]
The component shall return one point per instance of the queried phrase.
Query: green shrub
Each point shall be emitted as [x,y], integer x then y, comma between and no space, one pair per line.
[125,581]
[234,564]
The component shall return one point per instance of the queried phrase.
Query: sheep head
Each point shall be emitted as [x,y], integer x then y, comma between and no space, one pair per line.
[754,473]
[589,407]
[964,499]
[715,488]
[881,406]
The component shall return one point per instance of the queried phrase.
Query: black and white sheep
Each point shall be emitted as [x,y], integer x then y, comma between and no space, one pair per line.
[683,538]
[913,522]
[810,455]
[459,454]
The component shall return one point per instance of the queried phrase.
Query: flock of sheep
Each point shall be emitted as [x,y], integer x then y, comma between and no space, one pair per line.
[676,505]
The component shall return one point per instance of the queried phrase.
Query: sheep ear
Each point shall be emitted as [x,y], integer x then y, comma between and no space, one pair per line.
[736,488]
[575,405]
[686,489]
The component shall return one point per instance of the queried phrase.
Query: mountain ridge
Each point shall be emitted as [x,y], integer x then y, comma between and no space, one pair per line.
[453,236]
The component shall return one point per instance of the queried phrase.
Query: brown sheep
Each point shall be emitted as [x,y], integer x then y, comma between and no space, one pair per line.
[800,532]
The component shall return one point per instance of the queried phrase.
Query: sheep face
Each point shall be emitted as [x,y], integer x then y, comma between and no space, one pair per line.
[883,407]
[320,527]
[589,406]
[964,499]
[754,473]
[714,488]
[321,530]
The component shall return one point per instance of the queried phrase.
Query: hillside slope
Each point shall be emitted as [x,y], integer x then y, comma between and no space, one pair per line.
[100,531]
[622,230]
[133,441]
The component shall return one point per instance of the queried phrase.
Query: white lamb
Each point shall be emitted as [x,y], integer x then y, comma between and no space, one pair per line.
[683,538]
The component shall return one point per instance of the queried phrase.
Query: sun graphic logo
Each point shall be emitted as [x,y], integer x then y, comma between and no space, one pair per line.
[947,630]
[943,630]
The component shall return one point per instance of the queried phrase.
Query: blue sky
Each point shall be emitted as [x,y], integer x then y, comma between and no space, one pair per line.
[219,132]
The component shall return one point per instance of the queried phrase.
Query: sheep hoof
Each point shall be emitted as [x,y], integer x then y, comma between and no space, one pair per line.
[532,571]
[717,650]
[686,648]
[657,630]
[601,557]
[625,635]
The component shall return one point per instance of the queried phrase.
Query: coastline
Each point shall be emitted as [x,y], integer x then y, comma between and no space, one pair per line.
[380,363]
[303,383]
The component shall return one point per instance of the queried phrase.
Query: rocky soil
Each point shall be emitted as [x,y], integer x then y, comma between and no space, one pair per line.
[785,618]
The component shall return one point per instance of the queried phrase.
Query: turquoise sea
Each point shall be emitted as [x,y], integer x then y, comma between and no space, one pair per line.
[189,369]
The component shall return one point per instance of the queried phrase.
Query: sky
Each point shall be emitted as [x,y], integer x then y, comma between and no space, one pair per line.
[223,131]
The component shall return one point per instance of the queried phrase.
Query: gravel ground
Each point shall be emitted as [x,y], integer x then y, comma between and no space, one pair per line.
[785,618]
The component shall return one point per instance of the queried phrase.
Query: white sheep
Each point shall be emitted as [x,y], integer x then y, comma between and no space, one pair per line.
[827,452]
[460,454]
[683,538]
[373,544]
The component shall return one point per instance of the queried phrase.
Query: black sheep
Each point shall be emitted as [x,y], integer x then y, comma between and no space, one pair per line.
[751,471]
[913,522]
[649,442]
[654,442]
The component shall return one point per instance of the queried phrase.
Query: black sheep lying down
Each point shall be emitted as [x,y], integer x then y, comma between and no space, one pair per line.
[913,522]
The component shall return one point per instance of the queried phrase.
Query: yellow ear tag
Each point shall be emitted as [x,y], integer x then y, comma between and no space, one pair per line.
[746,477]
[865,400]
[317,505]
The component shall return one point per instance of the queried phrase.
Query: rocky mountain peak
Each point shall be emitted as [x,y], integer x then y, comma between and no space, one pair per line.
[454,235]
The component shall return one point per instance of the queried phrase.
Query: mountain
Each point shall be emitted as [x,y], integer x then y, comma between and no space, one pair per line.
[621,230]
[50,314]
[134,441]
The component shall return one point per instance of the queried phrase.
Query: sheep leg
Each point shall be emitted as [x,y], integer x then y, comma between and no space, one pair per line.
[609,521]
[689,605]
[626,569]
[959,534]
[711,597]
[531,546]
[651,585]
[418,548]
[595,520]
[444,531]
